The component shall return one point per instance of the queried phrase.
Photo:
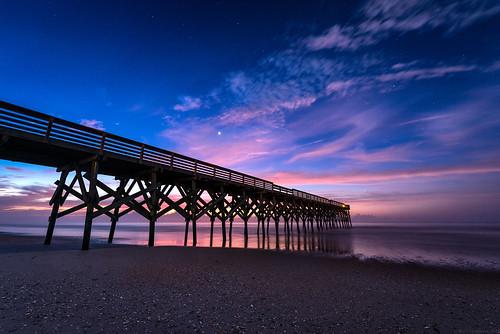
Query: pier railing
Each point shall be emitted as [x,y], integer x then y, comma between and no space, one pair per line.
[53,129]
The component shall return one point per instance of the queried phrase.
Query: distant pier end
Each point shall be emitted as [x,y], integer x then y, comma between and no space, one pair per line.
[152,181]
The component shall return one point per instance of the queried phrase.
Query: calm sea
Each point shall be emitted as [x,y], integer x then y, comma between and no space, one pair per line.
[472,246]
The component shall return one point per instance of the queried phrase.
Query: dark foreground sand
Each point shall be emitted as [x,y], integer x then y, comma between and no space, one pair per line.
[168,289]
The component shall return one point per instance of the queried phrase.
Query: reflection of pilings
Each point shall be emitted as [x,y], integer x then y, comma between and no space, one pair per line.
[262,222]
[298,239]
[245,233]
[223,227]
[325,242]
[276,224]
[212,220]
[231,232]
[186,230]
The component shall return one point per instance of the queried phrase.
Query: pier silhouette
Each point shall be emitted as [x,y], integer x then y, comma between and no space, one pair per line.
[153,182]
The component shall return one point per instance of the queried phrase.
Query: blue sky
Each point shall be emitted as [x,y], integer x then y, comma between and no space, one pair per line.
[391,106]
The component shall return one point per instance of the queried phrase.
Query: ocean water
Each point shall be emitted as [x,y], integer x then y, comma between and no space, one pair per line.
[470,246]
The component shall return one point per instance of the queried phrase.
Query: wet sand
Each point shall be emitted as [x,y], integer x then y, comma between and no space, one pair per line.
[175,289]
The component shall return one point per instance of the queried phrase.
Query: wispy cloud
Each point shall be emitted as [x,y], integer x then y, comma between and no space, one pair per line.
[394,153]
[230,148]
[424,73]
[378,19]
[495,66]
[295,78]
[368,177]
[93,123]
[424,119]
[188,103]
[353,129]
[17,169]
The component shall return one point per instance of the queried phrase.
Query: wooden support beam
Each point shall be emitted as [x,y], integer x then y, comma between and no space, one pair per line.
[56,202]
[194,198]
[186,231]
[114,220]
[154,202]
[91,202]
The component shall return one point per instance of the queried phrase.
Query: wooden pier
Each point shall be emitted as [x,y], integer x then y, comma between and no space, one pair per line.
[152,182]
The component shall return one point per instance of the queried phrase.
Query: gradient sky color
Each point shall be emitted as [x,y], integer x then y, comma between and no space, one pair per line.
[391,106]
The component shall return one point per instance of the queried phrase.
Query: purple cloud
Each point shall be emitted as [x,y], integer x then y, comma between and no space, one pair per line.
[381,18]
[93,123]
[424,73]
[188,103]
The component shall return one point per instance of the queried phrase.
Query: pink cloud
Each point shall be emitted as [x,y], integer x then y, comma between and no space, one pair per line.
[93,123]
[424,73]
[340,87]
[188,103]
[363,177]
[270,116]
[359,126]
[378,19]
[336,36]
[463,124]
[231,148]
[17,169]
[400,153]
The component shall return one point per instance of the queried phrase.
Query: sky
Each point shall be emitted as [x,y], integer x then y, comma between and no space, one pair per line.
[391,106]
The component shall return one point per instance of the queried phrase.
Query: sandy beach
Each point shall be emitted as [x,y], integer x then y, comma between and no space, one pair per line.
[176,289]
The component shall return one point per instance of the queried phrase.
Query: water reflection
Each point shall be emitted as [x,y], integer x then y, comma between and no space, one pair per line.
[228,235]
[266,236]
[310,241]
[466,245]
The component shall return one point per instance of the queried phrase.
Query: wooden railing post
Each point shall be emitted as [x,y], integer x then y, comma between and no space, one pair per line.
[103,140]
[142,153]
[49,128]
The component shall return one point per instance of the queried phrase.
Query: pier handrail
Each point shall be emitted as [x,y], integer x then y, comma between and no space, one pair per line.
[53,128]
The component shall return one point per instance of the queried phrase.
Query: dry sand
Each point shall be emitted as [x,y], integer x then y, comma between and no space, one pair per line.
[169,289]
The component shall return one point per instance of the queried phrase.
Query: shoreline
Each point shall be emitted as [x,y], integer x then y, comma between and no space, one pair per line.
[184,289]
[35,243]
